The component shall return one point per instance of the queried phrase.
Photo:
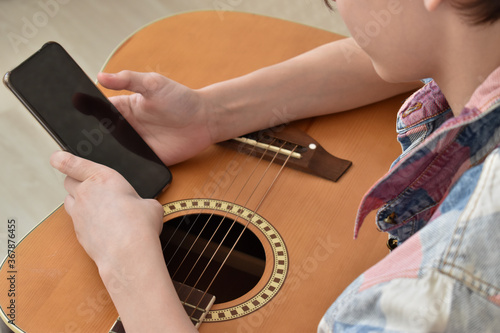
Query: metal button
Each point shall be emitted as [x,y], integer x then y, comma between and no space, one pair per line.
[392,243]
[390,219]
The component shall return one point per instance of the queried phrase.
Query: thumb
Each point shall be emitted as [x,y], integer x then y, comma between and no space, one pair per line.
[143,83]
[74,166]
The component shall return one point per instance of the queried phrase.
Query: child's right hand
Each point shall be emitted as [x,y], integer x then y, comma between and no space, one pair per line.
[173,119]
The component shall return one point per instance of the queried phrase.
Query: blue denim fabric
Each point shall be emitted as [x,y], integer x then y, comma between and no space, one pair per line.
[415,206]
[427,127]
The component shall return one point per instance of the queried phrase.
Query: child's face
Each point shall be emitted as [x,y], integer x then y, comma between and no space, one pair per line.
[396,34]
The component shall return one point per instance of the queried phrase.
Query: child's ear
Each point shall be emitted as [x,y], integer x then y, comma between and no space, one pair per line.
[431,5]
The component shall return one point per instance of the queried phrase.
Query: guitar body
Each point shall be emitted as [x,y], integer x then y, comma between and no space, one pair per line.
[303,224]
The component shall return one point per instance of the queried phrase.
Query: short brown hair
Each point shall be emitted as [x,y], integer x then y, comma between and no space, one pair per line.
[479,11]
[475,11]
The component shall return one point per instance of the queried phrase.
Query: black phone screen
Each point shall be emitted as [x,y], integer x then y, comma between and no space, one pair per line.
[83,121]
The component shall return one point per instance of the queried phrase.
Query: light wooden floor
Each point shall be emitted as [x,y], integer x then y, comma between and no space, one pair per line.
[29,188]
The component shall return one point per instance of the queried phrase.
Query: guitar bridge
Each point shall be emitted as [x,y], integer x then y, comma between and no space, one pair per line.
[302,151]
[196,302]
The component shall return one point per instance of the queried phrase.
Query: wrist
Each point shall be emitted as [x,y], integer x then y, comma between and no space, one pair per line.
[143,293]
[214,112]
[120,266]
[230,109]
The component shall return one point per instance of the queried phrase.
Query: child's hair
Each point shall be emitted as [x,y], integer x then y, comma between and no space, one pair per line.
[475,11]
[479,11]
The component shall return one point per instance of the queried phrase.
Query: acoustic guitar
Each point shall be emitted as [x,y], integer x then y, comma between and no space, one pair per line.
[258,232]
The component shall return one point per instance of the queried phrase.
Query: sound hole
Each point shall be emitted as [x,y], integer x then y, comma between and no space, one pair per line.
[189,254]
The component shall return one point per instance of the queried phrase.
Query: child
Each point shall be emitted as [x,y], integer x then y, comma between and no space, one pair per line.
[439,203]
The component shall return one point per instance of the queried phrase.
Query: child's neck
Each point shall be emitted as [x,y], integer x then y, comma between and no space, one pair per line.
[467,60]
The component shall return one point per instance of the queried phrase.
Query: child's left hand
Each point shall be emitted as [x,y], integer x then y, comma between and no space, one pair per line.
[109,217]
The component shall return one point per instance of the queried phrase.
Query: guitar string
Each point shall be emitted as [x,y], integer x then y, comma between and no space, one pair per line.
[220,223]
[209,219]
[241,233]
[248,156]
[246,225]
[185,216]
[197,217]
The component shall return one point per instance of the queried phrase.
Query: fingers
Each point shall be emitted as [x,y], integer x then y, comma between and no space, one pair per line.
[111,81]
[73,166]
[70,185]
[69,203]
[142,83]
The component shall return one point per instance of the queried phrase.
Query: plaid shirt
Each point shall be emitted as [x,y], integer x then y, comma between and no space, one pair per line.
[440,203]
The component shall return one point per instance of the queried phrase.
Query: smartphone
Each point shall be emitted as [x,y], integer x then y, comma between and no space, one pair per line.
[82,120]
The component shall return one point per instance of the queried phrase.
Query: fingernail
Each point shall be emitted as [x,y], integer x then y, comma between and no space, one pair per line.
[56,159]
[107,74]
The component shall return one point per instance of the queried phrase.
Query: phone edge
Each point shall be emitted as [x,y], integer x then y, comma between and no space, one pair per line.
[30,109]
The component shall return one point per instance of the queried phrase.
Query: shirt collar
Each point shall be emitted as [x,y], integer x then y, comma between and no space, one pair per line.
[484,99]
